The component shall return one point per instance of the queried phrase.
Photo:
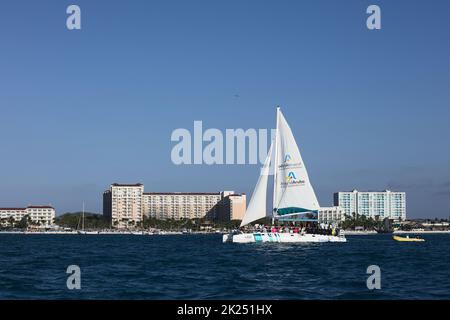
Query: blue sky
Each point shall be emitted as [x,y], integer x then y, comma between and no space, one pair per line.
[82,109]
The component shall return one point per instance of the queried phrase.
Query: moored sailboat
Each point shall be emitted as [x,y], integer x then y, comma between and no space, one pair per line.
[82,231]
[294,199]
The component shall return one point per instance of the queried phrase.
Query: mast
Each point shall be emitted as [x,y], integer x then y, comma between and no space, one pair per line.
[275,168]
[82,221]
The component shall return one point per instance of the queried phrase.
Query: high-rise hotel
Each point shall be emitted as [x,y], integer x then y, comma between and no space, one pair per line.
[125,205]
[384,204]
[122,204]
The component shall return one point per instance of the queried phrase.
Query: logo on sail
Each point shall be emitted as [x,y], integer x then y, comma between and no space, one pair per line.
[289,164]
[291,179]
[287,158]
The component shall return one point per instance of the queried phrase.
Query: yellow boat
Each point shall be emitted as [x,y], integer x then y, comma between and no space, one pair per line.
[408,239]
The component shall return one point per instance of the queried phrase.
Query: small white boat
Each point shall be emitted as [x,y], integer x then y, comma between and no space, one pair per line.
[294,199]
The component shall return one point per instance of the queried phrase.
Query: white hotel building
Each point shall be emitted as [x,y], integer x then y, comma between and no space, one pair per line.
[331,215]
[384,204]
[42,215]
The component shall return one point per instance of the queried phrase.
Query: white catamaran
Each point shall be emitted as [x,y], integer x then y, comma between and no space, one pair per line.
[294,198]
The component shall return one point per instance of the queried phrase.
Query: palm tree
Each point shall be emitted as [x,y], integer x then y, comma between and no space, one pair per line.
[2,222]
[11,221]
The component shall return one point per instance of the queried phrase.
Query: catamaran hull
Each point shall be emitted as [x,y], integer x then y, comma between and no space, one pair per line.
[281,238]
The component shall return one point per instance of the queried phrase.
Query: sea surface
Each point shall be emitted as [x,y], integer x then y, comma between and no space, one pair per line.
[202,267]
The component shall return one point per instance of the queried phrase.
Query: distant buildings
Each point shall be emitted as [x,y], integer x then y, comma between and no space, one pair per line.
[384,204]
[331,215]
[125,205]
[42,215]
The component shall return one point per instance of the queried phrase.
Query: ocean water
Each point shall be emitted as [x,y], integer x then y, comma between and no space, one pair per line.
[201,267]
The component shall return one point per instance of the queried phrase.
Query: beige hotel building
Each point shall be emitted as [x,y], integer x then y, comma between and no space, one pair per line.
[122,204]
[125,205]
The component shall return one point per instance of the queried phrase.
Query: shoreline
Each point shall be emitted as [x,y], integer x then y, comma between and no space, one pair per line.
[399,232]
[358,233]
[102,233]
[168,233]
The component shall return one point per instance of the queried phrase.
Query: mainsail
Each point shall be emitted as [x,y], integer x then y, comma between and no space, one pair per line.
[257,207]
[293,192]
